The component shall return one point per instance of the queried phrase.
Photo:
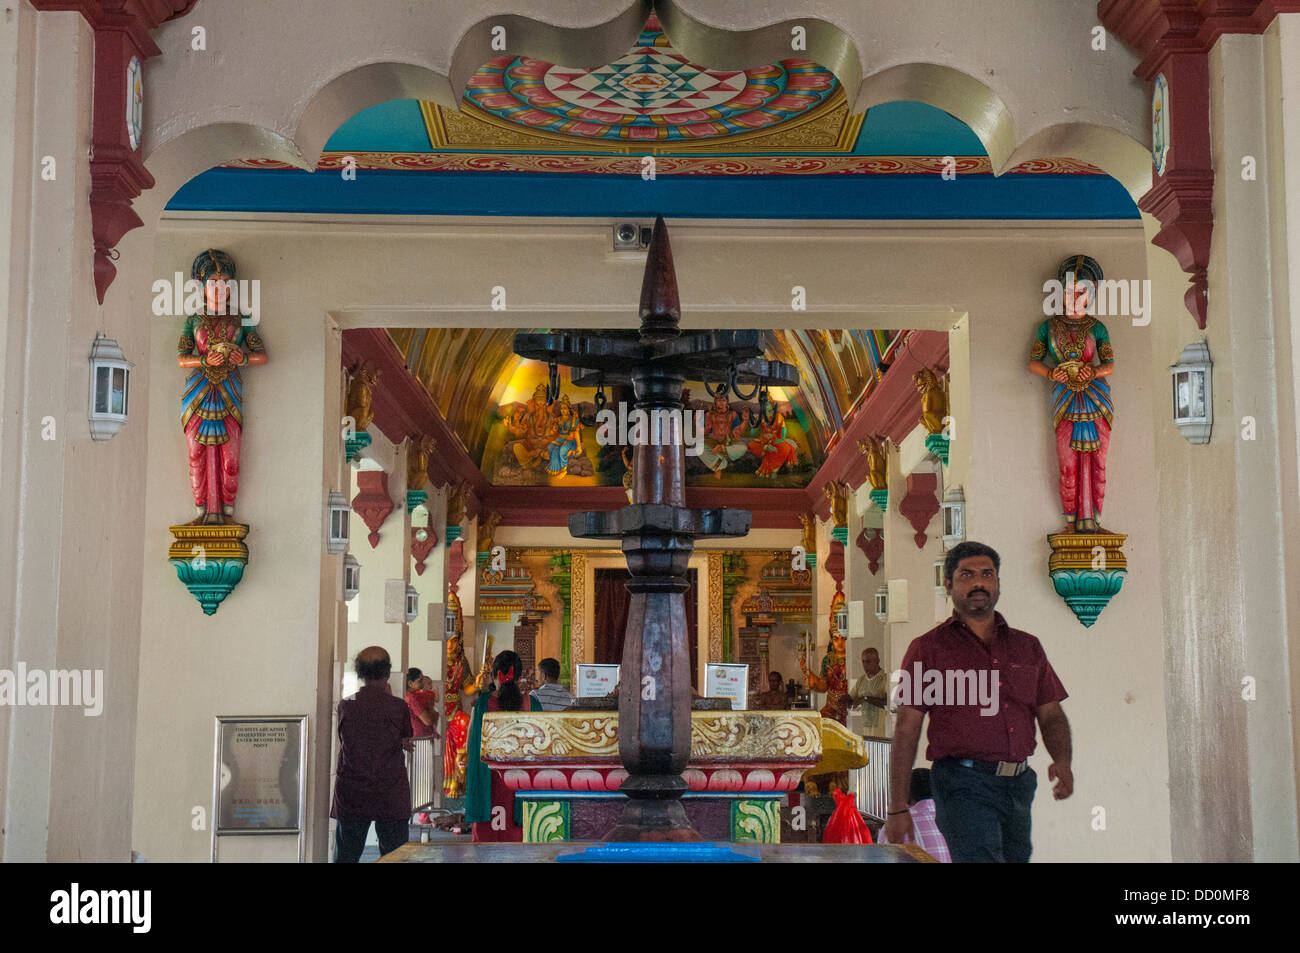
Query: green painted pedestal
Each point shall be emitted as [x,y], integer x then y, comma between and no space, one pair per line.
[209,560]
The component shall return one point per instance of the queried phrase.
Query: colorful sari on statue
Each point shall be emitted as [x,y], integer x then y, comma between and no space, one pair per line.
[484,788]
[212,406]
[1081,412]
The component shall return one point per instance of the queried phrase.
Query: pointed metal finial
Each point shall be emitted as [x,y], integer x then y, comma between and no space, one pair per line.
[661,309]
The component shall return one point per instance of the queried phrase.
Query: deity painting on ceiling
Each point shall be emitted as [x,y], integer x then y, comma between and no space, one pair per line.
[532,444]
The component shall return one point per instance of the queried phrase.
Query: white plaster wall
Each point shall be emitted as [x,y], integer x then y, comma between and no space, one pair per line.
[870,276]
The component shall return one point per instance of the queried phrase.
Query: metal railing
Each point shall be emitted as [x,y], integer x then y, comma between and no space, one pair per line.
[872,782]
[422,764]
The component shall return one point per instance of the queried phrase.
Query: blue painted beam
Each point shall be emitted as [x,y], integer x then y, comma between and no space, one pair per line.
[559,195]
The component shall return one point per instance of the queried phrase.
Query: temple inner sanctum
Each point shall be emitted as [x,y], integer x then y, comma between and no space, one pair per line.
[603,431]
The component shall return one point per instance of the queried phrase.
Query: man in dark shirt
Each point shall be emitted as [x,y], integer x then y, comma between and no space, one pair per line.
[983,684]
[374,728]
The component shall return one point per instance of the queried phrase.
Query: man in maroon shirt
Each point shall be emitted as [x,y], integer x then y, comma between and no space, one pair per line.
[983,684]
[374,728]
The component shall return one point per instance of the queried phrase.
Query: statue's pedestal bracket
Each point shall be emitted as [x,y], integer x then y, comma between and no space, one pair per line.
[209,560]
[1087,570]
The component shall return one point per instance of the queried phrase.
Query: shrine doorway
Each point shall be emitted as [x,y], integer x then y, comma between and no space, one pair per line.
[611,606]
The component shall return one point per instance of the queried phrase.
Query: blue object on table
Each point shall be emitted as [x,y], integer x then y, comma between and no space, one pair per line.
[657,852]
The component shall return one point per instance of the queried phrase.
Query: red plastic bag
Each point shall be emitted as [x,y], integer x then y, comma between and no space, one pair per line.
[846,825]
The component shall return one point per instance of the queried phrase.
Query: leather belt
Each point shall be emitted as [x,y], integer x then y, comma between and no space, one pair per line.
[1003,769]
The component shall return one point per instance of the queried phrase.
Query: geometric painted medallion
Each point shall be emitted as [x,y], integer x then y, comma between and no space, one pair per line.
[652,93]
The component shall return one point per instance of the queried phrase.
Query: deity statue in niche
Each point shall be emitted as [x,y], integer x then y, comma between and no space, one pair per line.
[1063,351]
[417,462]
[877,461]
[568,438]
[460,688]
[771,446]
[362,379]
[722,442]
[934,399]
[834,681]
[809,521]
[838,493]
[215,345]
[534,427]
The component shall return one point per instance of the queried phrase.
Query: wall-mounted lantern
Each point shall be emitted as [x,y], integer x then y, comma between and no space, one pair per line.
[110,378]
[412,603]
[882,603]
[954,517]
[1193,397]
[939,588]
[337,525]
[351,577]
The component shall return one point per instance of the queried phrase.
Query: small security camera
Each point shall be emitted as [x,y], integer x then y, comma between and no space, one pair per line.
[632,236]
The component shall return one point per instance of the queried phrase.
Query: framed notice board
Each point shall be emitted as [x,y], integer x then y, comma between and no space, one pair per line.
[259,777]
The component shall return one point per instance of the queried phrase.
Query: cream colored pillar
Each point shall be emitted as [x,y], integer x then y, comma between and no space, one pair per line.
[425,646]
[1252,317]
[71,508]
[378,621]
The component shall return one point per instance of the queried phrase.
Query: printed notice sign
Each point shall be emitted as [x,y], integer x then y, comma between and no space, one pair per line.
[595,681]
[259,774]
[727,680]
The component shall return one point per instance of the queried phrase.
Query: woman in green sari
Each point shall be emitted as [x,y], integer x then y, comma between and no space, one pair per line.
[483,789]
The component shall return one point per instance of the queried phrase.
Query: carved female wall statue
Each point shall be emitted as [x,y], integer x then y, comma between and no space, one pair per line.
[215,344]
[1064,349]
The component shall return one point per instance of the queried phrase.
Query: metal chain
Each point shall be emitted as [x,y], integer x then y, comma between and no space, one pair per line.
[552,382]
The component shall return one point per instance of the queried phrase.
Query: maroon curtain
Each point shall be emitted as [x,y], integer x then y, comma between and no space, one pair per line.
[692,625]
[611,605]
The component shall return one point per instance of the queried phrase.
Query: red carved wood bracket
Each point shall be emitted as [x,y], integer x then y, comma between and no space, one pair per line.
[117,172]
[372,502]
[835,563]
[420,548]
[872,544]
[1175,37]
[920,503]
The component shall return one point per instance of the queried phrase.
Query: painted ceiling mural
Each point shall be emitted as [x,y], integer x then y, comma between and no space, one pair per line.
[776,140]
[494,401]
[650,97]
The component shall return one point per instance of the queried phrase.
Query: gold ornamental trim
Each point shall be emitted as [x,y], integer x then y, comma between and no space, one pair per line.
[562,736]
[1078,550]
[842,750]
[715,606]
[827,127]
[223,541]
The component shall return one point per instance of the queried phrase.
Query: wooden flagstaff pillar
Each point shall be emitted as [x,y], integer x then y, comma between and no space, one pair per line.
[657,529]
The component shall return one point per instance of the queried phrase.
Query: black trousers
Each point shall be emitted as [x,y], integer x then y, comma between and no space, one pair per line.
[350,838]
[983,818]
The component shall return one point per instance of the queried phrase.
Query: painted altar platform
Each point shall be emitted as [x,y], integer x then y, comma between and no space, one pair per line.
[564,769]
[674,853]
